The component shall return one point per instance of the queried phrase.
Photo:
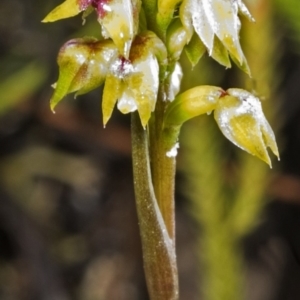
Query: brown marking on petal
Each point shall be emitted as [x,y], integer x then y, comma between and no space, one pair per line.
[138,47]
[99,5]
[223,93]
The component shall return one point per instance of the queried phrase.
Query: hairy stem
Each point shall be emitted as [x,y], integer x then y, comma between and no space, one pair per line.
[158,249]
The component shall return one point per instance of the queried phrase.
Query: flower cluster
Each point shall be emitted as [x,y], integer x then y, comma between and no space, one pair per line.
[119,19]
[217,24]
[129,61]
[87,63]
[132,62]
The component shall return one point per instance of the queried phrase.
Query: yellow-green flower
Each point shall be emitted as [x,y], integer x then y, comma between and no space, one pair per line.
[85,64]
[240,118]
[217,24]
[119,18]
[134,83]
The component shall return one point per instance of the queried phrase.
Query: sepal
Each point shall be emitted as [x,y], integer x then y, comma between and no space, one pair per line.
[217,24]
[194,50]
[120,21]
[177,39]
[192,103]
[67,9]
[136,80]
[240,118]
[83,65]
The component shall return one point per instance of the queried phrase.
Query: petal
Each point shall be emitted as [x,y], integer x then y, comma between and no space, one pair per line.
[72,56]
[113,90]
[127,103]
[220,53]
[177,39]
[243,66]
[102,54]
[185,14]
[119,22]
[194,50]
[268,134]
[244,11]
[146,44]
[143,84]
[222,16]
[175,81]
[240,118]
[67,9]
[83,66]
[202,24]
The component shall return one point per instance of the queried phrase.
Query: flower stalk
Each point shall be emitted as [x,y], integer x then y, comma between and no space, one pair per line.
[163,168]
[158,248]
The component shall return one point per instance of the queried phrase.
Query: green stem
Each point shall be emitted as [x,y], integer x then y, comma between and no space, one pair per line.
[163,167]
[158,249]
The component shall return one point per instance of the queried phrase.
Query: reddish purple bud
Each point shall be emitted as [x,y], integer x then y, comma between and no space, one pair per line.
[84,4]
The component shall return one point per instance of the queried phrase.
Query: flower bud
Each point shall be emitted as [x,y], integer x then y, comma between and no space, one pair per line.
[176,39]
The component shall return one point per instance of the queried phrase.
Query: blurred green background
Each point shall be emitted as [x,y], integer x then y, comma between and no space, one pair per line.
[68,226]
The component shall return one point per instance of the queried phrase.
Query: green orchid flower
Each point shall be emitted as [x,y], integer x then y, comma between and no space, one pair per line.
[86,63]
[119,18]
[241,119]
[134,83]
[217,24]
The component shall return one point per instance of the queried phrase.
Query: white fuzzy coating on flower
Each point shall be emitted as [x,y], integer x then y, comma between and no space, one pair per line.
[117,23]
[121,68]
[173,151]
[127,103]
[203,23]
[242,121]
[141,81]
[175,82]
[244,10]
[148,71]
[212,18]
